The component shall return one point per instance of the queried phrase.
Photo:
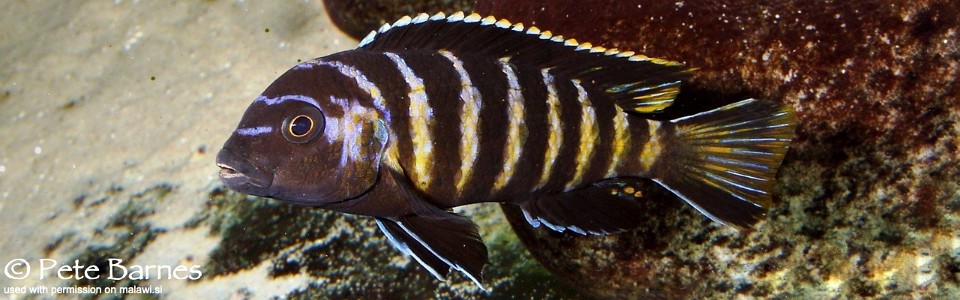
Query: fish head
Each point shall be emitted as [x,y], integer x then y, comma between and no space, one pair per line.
[306,140]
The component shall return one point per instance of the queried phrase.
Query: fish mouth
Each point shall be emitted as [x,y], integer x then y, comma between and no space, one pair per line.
[229,173]
[242,176]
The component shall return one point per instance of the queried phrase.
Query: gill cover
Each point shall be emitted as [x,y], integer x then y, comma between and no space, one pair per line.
[360,157]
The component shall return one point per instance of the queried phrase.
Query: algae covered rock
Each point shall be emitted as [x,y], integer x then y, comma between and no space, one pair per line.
[868,203]
[346,256]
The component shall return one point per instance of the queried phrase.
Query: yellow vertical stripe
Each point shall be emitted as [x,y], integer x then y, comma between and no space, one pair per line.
[421,117]
[621,140]
[469,122]
[516,129]
[651,150]
[555,134]
[588,136]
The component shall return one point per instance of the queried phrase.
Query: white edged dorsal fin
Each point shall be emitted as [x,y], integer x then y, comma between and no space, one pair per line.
[637,83]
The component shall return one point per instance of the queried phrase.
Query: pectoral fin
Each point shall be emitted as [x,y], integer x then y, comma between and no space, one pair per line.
[439,243]
[437,239]
[605,207]
[408,244]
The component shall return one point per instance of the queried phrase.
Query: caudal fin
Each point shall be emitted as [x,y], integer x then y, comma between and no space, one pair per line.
[724,161]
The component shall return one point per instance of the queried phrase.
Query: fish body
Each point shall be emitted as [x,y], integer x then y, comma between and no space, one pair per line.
[435,112]
[477,129]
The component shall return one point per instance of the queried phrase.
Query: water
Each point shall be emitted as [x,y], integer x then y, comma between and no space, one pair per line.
[111,114]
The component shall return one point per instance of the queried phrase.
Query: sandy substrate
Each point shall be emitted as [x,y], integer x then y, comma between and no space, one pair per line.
[102,100]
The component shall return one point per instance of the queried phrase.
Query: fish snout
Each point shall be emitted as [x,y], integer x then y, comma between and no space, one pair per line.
[240,175]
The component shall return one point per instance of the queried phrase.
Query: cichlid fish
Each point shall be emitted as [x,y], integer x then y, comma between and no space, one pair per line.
[435,112]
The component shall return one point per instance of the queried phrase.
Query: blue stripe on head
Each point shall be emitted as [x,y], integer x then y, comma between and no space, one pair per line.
[254,131]
[277,100]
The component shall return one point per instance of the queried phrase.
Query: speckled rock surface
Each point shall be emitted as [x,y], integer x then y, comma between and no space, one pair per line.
[332,255]
[358,17]
[868,204]
[347,256]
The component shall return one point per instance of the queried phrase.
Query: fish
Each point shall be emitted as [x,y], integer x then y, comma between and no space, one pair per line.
[434,112]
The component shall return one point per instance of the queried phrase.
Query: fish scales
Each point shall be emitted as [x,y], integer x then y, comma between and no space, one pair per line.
[488,79]
[435,112]
[516,128]
[565,163]
[421,122]
[447,131]
[471,102]
[621,142]
[441,83]
[442,125]
[533,157]
[642,134]
[382,74]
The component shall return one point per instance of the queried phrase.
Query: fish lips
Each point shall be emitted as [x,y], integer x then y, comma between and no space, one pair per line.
[240,175]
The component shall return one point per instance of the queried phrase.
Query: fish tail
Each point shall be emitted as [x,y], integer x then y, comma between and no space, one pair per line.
[724,161]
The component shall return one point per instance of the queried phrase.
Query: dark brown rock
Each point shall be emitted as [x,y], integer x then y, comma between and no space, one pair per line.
[868,204]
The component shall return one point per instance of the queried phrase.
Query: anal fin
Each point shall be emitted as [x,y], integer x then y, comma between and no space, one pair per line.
[608,206]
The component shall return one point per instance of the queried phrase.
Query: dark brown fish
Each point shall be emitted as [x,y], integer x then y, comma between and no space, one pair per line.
[435,112]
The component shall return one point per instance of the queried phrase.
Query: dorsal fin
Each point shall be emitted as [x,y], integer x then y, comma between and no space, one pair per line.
[636,82]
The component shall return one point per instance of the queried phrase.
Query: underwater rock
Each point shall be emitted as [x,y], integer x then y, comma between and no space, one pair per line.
[346,256]
[358,17]
[868,203]
[123,236]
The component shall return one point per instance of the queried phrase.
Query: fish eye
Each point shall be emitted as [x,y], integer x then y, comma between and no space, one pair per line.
[303,125]
[300,126]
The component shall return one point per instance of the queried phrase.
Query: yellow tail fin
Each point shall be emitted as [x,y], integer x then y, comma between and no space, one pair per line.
[724,161]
